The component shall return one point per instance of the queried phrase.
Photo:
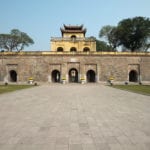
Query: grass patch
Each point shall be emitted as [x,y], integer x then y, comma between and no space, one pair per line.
[10,88]
[141,89]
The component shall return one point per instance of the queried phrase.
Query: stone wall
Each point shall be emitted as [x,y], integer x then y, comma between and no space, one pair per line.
[40,65]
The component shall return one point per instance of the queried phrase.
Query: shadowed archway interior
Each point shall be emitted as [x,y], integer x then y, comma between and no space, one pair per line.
[55,76]
[13,76]
[90,75]
[73,75]
[133,76]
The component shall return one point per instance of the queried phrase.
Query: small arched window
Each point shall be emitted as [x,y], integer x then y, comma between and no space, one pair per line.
[86,49]
[73,49]
[73,37]
[59,49]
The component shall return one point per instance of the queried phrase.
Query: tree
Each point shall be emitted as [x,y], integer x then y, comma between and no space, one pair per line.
[102,46]
[109,33]
[16,40]
[134,33]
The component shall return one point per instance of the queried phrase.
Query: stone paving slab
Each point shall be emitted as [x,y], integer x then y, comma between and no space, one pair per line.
[74,117]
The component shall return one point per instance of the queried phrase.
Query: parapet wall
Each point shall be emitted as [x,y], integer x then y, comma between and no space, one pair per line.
[75,53]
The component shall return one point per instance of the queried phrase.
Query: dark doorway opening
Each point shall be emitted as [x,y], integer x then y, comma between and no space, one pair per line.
[13,76]
[90,76]
[55,76]
[73,75]
[133,76]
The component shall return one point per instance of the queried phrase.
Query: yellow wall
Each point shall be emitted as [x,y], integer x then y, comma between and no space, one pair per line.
[68,35]
[79,45]
[66,42]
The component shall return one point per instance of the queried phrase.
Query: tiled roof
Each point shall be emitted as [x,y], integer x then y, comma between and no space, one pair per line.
[73,29]
[70,27]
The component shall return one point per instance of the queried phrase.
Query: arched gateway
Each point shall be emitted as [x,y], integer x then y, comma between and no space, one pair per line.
[133,76]
[90,76]
[55,76]
[13,76]
[73,75]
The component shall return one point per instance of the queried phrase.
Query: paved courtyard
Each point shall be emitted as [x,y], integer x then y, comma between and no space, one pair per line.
[74,117]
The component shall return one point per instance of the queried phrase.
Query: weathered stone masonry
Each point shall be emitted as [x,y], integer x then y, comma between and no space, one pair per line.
[40,65]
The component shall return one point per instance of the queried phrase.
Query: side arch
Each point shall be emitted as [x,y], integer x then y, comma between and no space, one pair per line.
[91,76]
[13,76]
[133,76]
[55,76]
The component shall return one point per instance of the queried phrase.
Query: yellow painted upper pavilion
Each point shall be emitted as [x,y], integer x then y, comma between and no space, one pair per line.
[73,40]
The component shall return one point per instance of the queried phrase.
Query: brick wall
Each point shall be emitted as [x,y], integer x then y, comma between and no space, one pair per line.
[40,66]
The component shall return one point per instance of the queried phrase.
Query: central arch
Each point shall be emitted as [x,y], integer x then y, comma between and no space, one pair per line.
[13,76]
[73,49]
[90,76]
[73,75]
[73,37]
[55,76]
[133,76]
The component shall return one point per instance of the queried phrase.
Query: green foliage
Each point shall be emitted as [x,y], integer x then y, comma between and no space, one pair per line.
[105,31]
[132,34]
[102,46]
[108,32]
[15,41]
